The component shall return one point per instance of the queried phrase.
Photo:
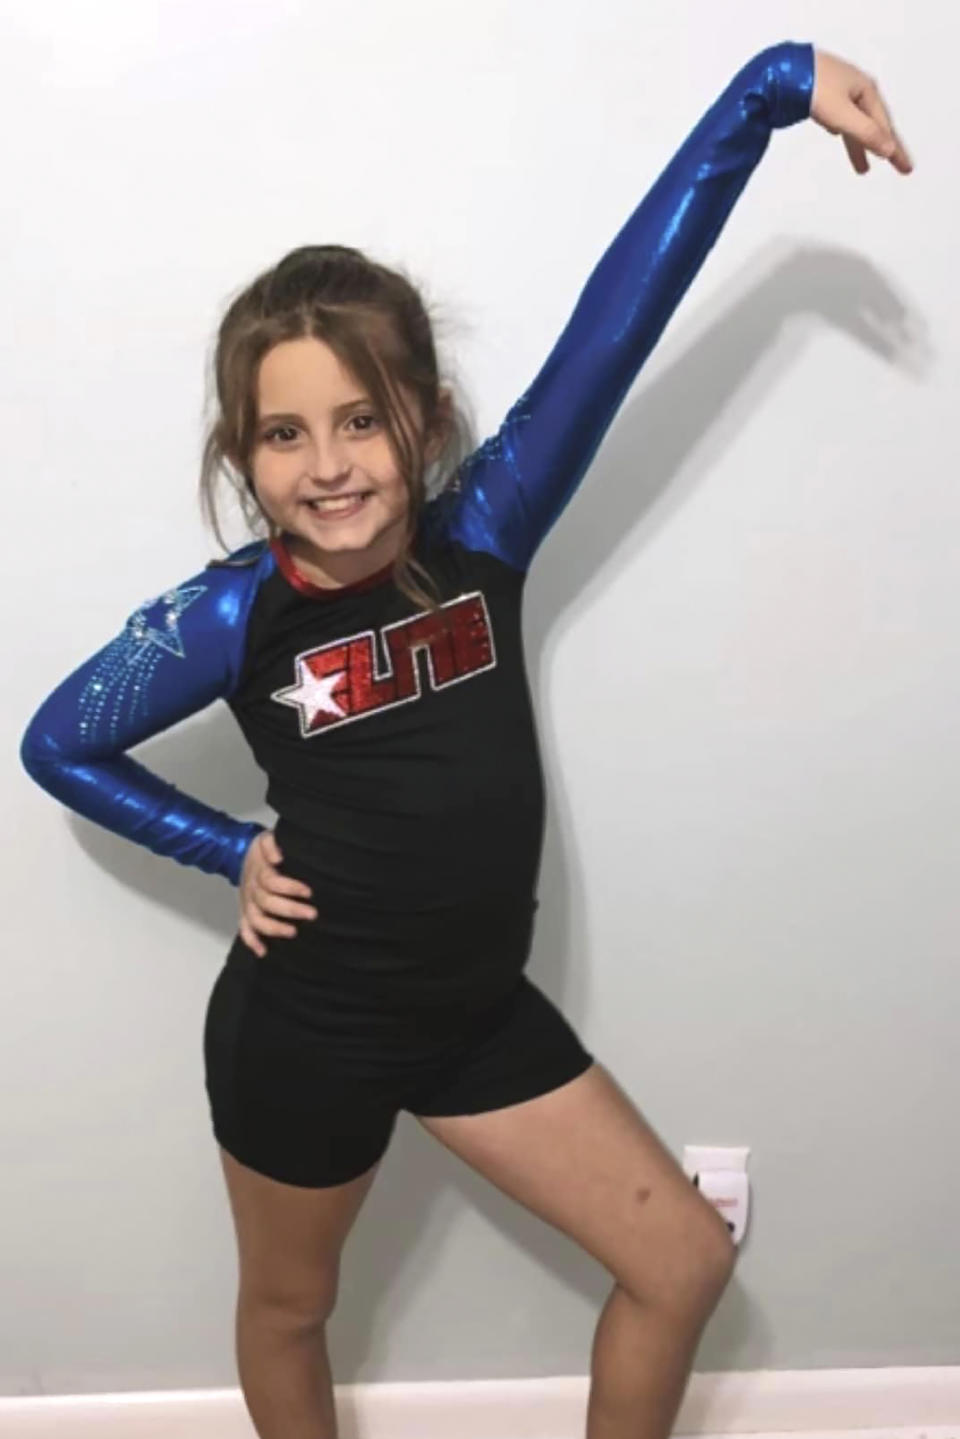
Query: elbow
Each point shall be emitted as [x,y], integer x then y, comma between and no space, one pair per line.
[36,754]
[64,775]
[43,757]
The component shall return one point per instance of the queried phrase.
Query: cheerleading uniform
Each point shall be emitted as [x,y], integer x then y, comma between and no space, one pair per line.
[399,746]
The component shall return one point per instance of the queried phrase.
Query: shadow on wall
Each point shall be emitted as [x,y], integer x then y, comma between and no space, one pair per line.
[713,373]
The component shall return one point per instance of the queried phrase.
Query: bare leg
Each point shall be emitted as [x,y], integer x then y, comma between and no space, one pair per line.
[285,1376]
[583,1158]
[290,1239]
[640,1363]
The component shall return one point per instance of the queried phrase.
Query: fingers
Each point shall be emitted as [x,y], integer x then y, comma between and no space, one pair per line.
[847,102]
[891,146]
[250,939]
[260,921]
[267,890]
[263,895]
[865,130]
[255,919]
[888,143]
[858,155]
[266,875]
[272,903]
[282,883]
[900,159]
[862,128]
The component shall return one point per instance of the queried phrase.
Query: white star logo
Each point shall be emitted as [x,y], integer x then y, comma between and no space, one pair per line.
[311,695]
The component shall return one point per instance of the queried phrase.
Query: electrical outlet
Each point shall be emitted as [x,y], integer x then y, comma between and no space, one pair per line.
[721,1177]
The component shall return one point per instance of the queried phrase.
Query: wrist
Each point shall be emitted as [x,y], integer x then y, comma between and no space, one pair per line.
[246,834]
[786,75]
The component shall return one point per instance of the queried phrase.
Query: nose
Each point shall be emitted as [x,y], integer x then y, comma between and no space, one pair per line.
[326,461]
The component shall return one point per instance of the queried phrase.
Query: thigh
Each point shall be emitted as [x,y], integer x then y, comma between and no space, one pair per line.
[583,1158]
[289,1239]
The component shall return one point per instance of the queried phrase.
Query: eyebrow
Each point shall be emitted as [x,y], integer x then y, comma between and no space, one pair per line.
[338,411]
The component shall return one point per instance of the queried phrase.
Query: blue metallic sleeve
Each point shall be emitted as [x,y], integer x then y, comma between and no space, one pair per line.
[515,485]
[176,654]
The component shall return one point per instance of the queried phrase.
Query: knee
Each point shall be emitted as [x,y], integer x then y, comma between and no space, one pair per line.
[693,1267]
[712,1257]
[722,1258]
[288,1311]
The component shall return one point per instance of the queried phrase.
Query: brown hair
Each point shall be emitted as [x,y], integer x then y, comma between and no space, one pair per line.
[375,321]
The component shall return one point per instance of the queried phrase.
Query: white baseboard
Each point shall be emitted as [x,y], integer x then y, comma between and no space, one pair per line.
[766,1404]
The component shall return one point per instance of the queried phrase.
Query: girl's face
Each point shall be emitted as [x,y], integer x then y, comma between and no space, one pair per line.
[322,465]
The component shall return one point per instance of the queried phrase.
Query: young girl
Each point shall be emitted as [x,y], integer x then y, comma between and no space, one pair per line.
[370,649]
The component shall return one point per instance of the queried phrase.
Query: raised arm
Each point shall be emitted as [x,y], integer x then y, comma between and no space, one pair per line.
[515,485]
[175,655]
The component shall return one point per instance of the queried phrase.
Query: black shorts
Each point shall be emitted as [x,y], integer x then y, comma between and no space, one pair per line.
[311,1050]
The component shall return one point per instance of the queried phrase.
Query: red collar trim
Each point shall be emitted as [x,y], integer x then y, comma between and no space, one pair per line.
[322,592]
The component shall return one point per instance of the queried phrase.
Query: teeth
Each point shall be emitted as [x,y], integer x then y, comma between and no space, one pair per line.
[343,502]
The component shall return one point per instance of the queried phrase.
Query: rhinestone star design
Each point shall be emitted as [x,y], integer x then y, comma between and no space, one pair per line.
[158,621]
[119,686]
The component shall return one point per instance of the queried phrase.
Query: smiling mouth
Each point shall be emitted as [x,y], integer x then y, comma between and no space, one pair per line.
[340,508]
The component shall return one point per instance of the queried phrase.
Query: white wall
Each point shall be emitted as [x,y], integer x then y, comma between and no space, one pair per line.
[749,888]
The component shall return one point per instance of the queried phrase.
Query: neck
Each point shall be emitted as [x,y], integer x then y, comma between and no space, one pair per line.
[332,571]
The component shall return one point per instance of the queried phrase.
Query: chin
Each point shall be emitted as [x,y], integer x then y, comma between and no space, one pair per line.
[347,538]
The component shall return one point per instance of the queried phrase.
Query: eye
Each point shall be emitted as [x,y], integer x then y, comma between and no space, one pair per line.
[367,429]
[270,434]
